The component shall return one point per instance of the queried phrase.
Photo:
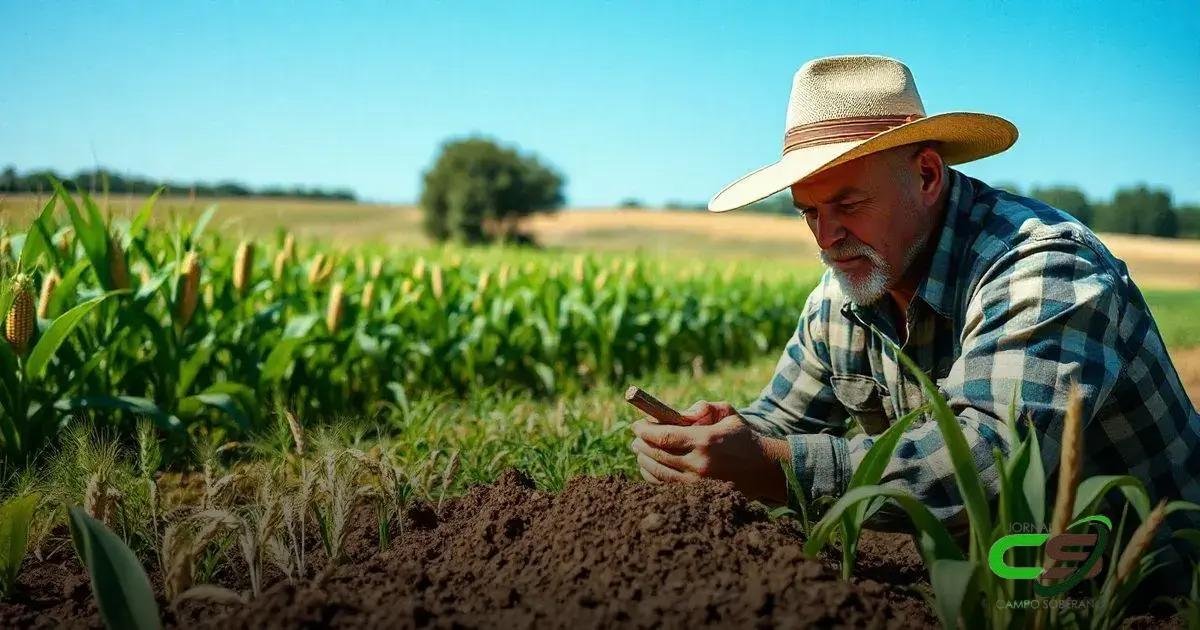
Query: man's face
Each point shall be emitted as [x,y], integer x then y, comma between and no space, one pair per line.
[870,218]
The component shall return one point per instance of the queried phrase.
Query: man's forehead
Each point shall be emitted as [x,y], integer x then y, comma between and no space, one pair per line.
[826,186]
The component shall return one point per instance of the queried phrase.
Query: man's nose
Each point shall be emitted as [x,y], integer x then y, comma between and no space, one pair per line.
[828,230]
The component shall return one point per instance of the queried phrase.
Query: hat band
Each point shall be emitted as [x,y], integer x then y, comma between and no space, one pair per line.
[842,130]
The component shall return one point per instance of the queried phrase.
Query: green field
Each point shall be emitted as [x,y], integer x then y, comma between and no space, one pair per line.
[191,365]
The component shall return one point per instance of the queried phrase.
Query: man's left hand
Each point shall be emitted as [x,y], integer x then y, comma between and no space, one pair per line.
[729,450]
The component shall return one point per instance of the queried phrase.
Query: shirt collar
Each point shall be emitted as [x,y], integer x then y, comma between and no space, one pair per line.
[939,288]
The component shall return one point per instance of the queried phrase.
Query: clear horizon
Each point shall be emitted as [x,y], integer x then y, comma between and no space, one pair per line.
[627,100]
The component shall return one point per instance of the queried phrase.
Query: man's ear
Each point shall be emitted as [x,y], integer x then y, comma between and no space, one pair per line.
[932,170]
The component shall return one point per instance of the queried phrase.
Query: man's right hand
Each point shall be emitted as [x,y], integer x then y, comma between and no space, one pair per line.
[704,413]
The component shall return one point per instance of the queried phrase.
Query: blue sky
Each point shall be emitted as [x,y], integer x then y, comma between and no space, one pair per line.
[655,100]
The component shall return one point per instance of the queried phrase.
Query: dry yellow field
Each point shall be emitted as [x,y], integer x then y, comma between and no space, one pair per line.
[1153,262]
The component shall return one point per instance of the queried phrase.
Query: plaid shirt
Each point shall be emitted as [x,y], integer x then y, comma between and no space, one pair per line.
[1018,295]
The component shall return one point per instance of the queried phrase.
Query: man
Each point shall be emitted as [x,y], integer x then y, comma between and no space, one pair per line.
[988,292]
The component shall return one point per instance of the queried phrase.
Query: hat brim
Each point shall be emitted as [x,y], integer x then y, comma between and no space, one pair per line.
[963,137]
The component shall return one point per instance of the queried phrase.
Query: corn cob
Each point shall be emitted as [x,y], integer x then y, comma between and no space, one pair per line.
[333,315]
[577,270]
[289,247]
[368,295]
[436,281]
[243,265]
[315,268]
[49,284]
[188,289]
[118,267]
[19,324]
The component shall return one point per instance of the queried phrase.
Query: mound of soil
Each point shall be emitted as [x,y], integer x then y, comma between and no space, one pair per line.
[605,552]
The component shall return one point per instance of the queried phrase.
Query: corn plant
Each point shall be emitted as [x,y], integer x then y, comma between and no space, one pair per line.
[963,586]
[119,583]
[203,331]
[16,516]
[33,404]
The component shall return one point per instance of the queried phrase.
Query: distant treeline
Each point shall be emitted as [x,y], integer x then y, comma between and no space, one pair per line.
[99,180]
[1133,210]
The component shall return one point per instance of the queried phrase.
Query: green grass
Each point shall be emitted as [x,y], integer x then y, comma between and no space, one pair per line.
[1177,314]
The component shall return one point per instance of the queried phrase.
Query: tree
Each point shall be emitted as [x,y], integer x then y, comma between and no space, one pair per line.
[478,190]
[1008,187]
[779,203]
[1139,210]
[1189,221]
[1066,198]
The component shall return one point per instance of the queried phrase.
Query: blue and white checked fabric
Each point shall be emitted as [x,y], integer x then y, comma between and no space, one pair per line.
[1018,295]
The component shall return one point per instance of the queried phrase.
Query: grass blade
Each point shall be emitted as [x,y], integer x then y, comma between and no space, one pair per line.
[15,518]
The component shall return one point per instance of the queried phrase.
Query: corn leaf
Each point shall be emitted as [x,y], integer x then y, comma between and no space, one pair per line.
[132,404]
[933,538]
[966,474]
[951,581]
[1191,535]
[48,344]
[875,462]
[1092,490]
[202,223]
[119,583]
[93,236]
[37,239]
[143,215]
[868,473]
[1033,486]
[1181,506]
[281,355]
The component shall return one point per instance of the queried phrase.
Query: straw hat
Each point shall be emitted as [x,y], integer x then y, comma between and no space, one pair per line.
[842,108]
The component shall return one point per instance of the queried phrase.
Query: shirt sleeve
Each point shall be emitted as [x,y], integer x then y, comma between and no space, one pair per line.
[799,397]
[1043,315]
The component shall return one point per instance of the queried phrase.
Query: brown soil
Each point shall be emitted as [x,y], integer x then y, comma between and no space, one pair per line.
[605,552]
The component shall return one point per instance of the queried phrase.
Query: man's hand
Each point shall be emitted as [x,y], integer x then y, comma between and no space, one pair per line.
[718,445]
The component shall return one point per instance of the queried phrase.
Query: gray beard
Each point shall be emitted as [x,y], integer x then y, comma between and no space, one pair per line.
[869,288]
